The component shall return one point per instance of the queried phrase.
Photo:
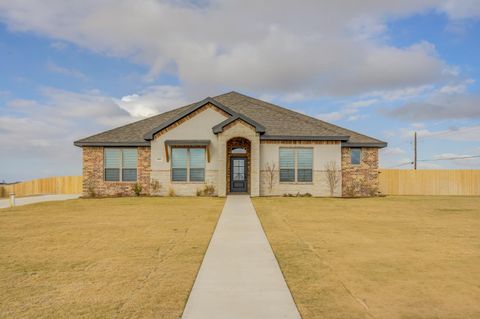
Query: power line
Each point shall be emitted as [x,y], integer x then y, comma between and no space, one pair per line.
[436,159]
[449,158]
[400,165]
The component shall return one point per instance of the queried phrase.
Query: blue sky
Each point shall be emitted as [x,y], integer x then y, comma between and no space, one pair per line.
[383,69]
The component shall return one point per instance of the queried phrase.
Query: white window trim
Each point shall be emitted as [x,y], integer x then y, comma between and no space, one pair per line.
[188,167]
[295,181]
[120,149]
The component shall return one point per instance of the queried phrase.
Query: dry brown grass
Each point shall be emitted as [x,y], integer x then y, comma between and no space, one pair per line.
[394,257]
[103,258]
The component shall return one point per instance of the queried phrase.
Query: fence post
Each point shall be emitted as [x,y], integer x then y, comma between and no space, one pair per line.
[12,199]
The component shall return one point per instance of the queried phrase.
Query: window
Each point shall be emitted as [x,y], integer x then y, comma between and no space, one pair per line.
[287,165]
[188,164]
[356,155]
[238,150]
[120,164]
[304,164]
[296,164]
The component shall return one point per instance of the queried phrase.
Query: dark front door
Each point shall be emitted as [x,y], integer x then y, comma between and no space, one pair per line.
[238,174]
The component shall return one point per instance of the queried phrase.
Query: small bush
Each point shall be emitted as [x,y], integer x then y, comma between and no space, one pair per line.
[91,189]
[297,195]
[354,189]
[361,188]
[171,192]
[155,186]
[137,189]
[208,190]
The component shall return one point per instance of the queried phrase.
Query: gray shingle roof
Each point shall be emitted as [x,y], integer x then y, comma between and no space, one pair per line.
[276,121]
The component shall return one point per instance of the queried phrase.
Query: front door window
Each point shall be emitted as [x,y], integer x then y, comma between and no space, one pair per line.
[238,174]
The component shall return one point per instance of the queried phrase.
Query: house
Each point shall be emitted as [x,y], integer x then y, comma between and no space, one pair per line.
[231,143]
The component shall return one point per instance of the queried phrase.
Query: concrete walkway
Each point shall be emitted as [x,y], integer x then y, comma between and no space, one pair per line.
[239,276]
[5,203]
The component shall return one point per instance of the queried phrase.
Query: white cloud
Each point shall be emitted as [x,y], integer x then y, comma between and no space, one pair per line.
[440,107]
[463,133]
[55,68]
[153,100]
[461,9]
[406,93]
[59,45]
[35,130]
[456,88]
[363,103]
[349,112]
[317,48]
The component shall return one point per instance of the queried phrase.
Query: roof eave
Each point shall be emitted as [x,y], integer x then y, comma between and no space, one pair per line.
[111,144]
[304,138]
[365,144]
[187,142]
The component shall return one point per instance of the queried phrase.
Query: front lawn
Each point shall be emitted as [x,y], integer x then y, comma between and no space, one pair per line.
[103,258]
[393,257]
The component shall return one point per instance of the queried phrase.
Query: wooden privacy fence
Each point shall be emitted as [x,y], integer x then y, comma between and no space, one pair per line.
[429,182]
[41,186]
[392,182]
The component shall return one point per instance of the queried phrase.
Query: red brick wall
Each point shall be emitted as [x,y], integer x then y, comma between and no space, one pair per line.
[362,179]
[93,174]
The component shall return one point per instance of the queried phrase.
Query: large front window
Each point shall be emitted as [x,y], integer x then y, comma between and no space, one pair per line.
[296,164]
[188,164]
[120,164]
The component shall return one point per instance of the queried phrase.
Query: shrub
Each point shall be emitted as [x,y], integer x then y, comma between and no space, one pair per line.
[333,176]
[91,189]
[171,192]
[208,190]
[360,188]
[155,186]
[137,189]
[270,171]
[354,189]
[297,195]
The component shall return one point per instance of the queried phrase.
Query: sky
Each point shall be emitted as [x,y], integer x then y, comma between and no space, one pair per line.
[69,69]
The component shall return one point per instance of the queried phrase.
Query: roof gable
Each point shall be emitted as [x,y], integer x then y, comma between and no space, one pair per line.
[219,128]
[150,134]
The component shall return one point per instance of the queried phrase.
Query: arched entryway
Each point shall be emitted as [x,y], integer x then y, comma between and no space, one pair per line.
[238,165]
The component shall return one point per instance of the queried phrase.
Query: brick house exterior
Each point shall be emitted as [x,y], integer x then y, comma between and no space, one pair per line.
[229,144]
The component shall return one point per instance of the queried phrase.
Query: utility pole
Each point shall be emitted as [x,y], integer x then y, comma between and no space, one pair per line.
[415,150]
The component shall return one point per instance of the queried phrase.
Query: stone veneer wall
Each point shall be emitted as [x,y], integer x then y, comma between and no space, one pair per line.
[93,174]
[362,179]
